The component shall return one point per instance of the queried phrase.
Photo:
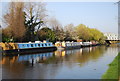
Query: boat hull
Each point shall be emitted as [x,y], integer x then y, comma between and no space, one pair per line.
[29,50]
[69,47]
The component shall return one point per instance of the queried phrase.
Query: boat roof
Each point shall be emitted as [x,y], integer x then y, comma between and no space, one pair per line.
[34,43]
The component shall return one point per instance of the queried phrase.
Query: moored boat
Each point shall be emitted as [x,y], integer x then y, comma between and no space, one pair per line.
[68,45]
[25,48]
[73,45]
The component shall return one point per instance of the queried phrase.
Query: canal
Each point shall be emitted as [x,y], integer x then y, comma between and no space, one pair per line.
[84,63]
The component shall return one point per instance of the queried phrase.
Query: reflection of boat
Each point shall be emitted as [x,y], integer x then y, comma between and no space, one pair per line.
[22,48]
[31,58]
[61,53]
[36,57]
[11,60]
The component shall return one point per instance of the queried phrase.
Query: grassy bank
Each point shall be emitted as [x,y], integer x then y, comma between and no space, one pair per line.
[113,71]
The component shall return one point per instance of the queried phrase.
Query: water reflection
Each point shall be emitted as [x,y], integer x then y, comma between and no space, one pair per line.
[82,56]
[54,64]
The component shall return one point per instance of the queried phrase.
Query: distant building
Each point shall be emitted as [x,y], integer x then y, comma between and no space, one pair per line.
[112,36]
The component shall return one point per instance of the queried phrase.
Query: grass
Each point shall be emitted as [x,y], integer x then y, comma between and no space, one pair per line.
[113,71]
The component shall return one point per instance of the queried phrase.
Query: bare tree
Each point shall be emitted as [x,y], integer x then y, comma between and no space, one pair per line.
[54,24]
[57,28]
[70,32]
[15,20]
[35,14]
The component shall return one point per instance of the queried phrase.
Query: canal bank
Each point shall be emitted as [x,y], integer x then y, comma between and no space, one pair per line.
[113,71]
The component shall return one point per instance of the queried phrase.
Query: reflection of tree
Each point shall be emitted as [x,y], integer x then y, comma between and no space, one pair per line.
[51,60]
[51,63]
[95,53]
[84,56]
[15,69]
[78,56]
[11,66]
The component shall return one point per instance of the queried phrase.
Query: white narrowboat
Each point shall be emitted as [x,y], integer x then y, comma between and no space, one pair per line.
[68,45]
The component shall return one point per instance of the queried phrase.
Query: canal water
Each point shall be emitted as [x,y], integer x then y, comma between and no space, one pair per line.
[84,63]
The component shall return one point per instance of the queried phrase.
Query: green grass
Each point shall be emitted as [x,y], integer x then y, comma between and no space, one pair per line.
[113,71]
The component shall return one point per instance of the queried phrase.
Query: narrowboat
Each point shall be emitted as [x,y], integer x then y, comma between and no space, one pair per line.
[73,45]
[26,48]
[86,44]
[68,45]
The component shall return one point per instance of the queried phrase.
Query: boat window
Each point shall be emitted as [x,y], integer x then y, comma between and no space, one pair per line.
[38,44]
[23,45]
[45,44]
[27,45]
[42,44]
[31,45]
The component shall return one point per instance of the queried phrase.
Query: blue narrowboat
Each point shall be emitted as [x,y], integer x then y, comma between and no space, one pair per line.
[26,48]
